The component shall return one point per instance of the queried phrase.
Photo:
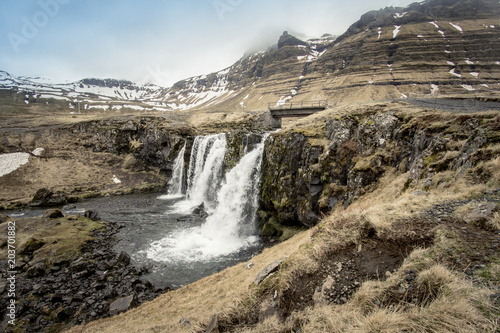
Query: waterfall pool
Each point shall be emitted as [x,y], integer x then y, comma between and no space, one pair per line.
[162,233]
[147,219]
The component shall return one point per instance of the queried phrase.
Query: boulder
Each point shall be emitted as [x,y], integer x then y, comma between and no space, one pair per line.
[122,304]
[53,214]
[31,246]
[36,270]
[481,213]
[200,211]
[124,258]
[46,198]
[266,272]
[93,215]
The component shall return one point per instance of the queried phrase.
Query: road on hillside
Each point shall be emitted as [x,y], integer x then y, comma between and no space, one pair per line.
[454,105]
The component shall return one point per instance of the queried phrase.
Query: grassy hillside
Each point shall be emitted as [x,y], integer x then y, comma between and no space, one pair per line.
[397,258]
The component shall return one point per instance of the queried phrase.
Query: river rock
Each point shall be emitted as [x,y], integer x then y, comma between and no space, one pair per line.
[200,211]
[53,214]
[124,258]
[46,198]
[93,215]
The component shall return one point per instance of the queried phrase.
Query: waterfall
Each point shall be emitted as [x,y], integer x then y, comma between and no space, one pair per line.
[206,168]
[231,225]
[205,173]
[176,184]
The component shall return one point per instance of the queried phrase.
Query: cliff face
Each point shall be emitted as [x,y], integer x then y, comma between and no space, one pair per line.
[435,47]
[93,158]
[339,156]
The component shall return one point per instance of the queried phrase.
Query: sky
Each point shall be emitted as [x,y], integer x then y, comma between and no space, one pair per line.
[157,41]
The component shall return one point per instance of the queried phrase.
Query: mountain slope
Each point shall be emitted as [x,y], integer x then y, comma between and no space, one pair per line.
[436,47]
[429,48]
[94,93]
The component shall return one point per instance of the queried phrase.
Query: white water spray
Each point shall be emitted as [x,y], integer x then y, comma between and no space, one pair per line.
[176,185]
[205,173]
[232,224]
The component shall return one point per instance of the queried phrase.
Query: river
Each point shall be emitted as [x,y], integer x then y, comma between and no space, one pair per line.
[161,232]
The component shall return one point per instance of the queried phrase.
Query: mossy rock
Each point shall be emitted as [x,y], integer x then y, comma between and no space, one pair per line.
[31,246]
[270,230]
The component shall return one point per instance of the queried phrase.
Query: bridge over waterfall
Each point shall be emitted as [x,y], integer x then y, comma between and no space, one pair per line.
[295,109]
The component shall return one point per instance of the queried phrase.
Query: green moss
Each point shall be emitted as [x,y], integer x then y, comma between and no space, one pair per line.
[270,230]
[56,240]
[273,229]
[430,159]
[407,185]
[280,205]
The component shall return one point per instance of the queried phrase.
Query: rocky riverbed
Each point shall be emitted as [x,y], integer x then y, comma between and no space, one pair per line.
[56,290]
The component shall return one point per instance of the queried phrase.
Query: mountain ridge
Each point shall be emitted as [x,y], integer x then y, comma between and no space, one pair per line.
[432,48]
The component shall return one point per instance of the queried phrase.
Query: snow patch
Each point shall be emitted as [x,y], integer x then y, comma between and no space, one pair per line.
[116,180]
[475,74]
[468,62]
[38,151]
[400,15]
[452,72]
[395,32]
[434,89]
[485,85]
[456,26]
[434,24]
[404,95]
[379,32]
[283,100]
[442,33]
[497,62]
[12,162]
[451,63]
[468,87]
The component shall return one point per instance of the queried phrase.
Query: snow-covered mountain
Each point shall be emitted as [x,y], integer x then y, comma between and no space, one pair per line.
[235,85]
[93,93]
[435,47]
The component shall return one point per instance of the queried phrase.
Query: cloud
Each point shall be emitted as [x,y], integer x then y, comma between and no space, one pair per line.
[160,41]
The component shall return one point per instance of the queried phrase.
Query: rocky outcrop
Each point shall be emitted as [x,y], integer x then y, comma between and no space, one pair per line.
[151,141]
[45,198]
[309,171]
[289,40]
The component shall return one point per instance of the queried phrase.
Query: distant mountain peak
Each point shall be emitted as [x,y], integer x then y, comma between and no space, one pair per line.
[289,40]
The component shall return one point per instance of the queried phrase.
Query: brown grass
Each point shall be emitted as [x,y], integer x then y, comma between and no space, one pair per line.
[442,299]
[196,302]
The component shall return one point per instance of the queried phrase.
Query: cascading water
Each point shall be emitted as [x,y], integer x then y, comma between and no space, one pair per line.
[205,172]
[177,246]
[176,185]
[230,227]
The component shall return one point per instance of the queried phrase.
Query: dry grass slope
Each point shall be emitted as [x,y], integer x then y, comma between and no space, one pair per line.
[412,262]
